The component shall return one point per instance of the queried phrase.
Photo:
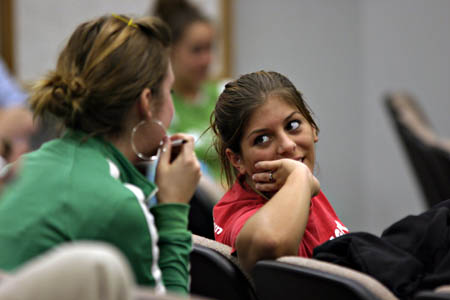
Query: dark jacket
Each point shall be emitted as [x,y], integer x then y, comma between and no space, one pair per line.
[411,255]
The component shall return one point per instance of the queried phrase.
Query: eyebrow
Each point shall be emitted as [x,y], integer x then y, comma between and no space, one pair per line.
[265,129]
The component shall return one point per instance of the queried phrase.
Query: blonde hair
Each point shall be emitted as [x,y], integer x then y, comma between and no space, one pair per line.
[102,71]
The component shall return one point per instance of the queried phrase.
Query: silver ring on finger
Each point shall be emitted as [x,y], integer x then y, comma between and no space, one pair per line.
[271,179]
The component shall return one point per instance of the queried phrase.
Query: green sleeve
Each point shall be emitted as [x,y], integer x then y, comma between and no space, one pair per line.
[175,244]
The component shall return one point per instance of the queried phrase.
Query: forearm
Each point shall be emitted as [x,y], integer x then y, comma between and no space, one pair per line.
[278,227]
[175,243]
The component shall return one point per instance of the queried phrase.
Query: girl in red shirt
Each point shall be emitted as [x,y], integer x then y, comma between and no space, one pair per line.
[265,137]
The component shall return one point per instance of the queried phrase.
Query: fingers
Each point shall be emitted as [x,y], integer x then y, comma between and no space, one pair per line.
[187,148]
[164,151]
[184,146]
[267,174]
[182,136]
[268,165]
[266,181]
[267,187]
[268,177]
[177,179]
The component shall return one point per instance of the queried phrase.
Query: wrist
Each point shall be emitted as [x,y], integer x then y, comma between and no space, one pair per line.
[168,199]
[301,180]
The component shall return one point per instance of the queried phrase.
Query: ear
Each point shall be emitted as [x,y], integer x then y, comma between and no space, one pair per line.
[144,101]
[316,136]
[235,160]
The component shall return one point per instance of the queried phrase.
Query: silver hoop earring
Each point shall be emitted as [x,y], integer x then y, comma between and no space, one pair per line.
[133,145]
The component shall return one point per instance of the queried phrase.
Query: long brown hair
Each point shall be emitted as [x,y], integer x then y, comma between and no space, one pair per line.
[102,70]
[236,104]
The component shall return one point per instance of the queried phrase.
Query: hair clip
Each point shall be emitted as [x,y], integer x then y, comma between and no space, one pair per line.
[128,22]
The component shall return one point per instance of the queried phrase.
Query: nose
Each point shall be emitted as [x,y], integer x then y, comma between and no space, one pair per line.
[286,146]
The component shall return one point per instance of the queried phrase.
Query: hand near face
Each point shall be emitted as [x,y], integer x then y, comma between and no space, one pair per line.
[177,180]
[281,170]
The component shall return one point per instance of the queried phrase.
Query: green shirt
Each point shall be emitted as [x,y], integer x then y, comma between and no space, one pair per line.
[193,118]
[75,188]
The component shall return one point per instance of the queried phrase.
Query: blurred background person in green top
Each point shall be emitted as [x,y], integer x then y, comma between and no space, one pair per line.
[194,96]
[194,93]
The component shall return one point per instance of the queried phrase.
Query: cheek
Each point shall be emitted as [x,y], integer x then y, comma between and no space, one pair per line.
[170,113]
[171,108]
[186,59]
[167,111]
[305,141]
[310,145]
[192,61]
[180,64]
[254,156]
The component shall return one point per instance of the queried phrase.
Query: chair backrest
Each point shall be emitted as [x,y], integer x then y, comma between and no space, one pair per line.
[207,194]
[440,293]
[215,272]
[3,275]
[427,153]
[306,278]
[144,293]
[201,214]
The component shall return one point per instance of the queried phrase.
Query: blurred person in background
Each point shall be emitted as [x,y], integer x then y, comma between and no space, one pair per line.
[194,96]
[194,93]
[16,120]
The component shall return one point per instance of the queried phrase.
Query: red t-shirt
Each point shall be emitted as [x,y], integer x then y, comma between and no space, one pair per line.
[240,203]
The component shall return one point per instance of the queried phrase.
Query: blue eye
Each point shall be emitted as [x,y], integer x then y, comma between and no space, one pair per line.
[260,139]
[293,125]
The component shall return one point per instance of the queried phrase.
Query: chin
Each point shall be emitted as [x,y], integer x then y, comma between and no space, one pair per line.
[202,76]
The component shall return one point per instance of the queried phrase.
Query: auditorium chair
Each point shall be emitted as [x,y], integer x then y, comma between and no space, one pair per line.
[215,273]
[294,277]
[428,153]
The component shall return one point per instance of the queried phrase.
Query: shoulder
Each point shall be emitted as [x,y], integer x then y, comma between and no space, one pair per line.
[88,177]
[320,202]
[215,87]
[233,210]
[324,216]
[239,196]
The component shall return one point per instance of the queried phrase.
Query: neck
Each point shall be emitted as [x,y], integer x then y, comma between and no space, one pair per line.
[188,92]
[123,144]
